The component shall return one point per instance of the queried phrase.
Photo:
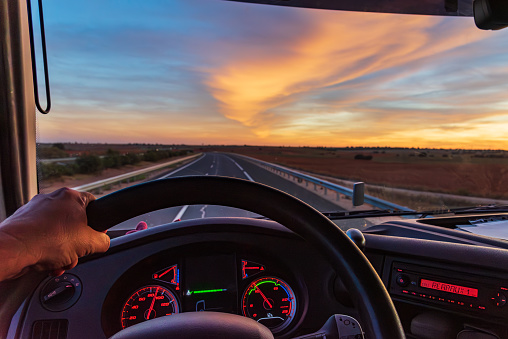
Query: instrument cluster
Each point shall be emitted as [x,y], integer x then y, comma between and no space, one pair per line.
[220,282]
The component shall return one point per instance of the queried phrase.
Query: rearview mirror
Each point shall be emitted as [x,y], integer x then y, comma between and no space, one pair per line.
[490,14]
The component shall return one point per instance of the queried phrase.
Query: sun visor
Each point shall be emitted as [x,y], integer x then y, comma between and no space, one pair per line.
[425,7]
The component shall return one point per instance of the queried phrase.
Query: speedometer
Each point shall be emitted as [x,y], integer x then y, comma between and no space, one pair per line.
[147,303]
[269,301]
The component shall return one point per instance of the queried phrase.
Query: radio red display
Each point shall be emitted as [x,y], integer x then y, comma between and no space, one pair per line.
[456,289]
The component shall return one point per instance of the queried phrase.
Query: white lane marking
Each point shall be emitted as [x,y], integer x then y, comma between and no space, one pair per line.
[206,173]
[211,166]
[202,210]
[180,214]
[240,167]
[248,176]
[181,168]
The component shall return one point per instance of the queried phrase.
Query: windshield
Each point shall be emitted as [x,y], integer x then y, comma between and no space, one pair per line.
[307,101]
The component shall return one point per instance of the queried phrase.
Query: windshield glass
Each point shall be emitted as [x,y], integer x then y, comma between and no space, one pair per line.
[307,101]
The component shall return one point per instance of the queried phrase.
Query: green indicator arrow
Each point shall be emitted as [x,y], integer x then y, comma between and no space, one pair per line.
[207,291]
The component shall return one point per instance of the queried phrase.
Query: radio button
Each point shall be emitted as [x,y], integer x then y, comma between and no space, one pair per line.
[402,280]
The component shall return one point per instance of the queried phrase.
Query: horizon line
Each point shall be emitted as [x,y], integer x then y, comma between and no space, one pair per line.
[271,146]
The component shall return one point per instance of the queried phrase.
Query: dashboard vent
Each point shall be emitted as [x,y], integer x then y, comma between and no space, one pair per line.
[50,329]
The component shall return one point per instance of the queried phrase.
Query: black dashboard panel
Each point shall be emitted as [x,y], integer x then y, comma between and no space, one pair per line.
[205,246]
[446,230]
[211,254]
[456,277]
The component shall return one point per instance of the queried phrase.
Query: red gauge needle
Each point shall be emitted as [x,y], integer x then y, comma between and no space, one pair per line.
[266,299]
[172,268]
[153,302]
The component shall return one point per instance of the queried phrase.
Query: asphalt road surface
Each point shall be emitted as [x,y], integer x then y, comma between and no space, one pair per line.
[228,165]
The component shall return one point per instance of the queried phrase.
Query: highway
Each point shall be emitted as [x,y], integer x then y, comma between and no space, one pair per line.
[229,165]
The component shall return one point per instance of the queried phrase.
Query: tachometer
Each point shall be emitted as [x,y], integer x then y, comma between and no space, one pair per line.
[147,303]
[271,302]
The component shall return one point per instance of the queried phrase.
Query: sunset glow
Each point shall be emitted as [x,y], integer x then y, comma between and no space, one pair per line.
[216,72]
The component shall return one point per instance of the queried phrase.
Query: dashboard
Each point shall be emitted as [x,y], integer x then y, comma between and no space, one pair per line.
[205,277]
[443,282]
[255,268]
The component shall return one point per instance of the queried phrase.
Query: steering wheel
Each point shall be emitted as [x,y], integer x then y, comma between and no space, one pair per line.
[379,318]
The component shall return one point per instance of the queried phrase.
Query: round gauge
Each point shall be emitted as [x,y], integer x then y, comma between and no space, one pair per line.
[147,303]
[269,301]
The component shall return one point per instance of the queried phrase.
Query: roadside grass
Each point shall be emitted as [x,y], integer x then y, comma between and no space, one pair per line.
[419,202]
[481,174]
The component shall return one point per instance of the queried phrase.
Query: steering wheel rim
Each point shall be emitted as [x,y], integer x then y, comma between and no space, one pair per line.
[379,318]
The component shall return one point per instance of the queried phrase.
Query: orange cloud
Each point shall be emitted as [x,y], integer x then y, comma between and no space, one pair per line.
[260,90]
[303,77]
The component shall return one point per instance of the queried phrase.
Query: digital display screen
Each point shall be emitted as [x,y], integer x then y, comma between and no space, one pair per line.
[456,289]
[210,283]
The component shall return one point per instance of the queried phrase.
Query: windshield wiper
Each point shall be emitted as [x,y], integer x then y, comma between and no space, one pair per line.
[477,209]
[366,214]
[335,215]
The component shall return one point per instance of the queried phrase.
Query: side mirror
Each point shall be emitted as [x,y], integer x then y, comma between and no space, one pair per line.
[490,14]
[358,194]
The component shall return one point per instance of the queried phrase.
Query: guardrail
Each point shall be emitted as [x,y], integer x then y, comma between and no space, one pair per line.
[284,171]
[49,161]
[119,178]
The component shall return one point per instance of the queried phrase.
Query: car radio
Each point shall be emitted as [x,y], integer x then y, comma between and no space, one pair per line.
[449,289]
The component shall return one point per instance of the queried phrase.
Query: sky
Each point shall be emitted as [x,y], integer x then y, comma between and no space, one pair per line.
[219,72]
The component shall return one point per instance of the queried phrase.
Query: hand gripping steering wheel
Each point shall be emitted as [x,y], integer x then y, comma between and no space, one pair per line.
[378,316]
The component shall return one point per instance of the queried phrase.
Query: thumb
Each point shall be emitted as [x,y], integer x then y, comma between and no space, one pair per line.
[95,242]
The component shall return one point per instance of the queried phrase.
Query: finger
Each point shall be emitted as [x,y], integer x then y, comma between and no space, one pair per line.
[71,265]
[87,197]
[103,244]
[56,273]
[97,242]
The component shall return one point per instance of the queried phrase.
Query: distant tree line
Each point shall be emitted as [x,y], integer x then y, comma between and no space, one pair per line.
[53,152]
[92,163]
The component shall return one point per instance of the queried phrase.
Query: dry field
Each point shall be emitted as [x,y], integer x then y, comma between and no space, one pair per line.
[444,171]
[458,172]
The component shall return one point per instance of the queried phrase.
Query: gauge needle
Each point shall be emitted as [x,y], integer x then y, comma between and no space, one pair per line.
[266,299]
[153,302]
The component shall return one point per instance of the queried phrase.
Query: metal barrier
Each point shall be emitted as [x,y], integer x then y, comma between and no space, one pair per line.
[287,172]
[127,176]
